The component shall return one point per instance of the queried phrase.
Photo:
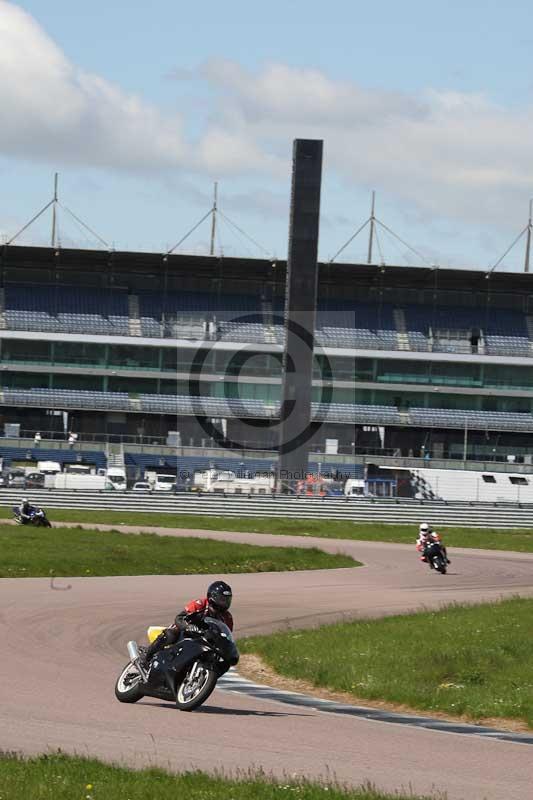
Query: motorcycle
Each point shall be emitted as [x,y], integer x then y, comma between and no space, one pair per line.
[185,672]
[37,518]
[436,558]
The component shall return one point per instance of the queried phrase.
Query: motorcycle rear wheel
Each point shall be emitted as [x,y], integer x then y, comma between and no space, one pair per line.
[190,696]
[128,691]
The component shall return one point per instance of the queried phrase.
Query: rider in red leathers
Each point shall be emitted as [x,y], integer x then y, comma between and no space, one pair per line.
[426,536]
[216,604]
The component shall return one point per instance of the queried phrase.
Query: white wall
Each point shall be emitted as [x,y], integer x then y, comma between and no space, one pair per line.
[451,484]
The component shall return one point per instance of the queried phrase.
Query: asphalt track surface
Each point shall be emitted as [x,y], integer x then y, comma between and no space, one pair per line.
[64,647]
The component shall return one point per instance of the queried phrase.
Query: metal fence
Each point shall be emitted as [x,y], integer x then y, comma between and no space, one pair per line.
[412,512]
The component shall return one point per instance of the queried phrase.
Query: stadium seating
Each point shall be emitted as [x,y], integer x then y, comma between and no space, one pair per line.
[258,409]
[495,420]
[356,325]
[200,406]
[244,318]
[66,309]
[448,329]
[235,317]
[95,458]
[185,466]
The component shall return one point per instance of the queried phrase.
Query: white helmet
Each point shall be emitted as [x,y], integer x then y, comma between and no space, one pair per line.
[424,528]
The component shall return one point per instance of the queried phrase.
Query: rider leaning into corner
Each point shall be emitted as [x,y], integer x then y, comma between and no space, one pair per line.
[216,604]
[26,510]
[427,536]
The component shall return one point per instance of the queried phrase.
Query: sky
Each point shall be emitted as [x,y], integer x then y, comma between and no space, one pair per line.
[141,107]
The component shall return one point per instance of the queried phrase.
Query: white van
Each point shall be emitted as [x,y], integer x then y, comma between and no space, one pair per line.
[164,483]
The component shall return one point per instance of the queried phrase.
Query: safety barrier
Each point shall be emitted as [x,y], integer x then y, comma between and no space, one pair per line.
[501,515]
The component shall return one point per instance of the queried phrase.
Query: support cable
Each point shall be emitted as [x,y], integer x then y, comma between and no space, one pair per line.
[397,248]
[169,252]
[412,249]
[350,240]
[32,220]
[84,225]
[243,233]
[499,261]
[380,251]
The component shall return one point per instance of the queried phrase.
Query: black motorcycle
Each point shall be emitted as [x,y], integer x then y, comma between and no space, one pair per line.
[435,557]
[184,673]
[37,518]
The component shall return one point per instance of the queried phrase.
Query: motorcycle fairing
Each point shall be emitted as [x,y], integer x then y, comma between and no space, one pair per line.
[169,664]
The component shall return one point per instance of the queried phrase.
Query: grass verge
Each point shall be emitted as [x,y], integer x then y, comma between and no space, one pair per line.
[35,552]
[59,777]
[485,538]
[468,661]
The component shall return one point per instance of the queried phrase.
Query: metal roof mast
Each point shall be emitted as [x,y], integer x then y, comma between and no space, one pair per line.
[54,237]
[528,238]
[527,231]
[374,222]
[216,213]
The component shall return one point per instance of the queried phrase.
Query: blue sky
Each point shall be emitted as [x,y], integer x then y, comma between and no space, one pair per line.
[141,107]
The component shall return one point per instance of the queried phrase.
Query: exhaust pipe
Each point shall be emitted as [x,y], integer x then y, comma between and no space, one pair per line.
[133,651]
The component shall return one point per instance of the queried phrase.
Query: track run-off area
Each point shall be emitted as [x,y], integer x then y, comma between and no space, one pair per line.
[64,643]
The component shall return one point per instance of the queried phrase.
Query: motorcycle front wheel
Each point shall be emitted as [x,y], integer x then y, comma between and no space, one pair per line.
[196,687]
[440,565]
[127,687]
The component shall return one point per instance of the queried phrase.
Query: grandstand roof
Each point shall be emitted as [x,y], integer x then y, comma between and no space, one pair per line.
[102,267]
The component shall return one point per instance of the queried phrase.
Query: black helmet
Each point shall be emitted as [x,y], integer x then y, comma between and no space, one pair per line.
[219,595]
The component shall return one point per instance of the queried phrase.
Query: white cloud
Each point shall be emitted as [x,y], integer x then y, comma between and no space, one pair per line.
[440,154]
[53,110]
[449,153]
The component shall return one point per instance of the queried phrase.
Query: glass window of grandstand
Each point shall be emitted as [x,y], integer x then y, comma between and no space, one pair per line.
[132,386]
[182,360]
[398,399]
[78,382]
[392,371]
[455,374]
[346,396]
[343,368]
[25,380]
[519,405]
[169,359]
[503,376]
[247,362]
[452,401]
[30,351]
[180,388]
[78,353]
[133,357]
[247,391]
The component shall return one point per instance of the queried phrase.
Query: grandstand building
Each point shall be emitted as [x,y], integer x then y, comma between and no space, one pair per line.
[127,347]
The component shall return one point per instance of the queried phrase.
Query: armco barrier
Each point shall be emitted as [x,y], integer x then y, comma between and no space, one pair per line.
[357,510]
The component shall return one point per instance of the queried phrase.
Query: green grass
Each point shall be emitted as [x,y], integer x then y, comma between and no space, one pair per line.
[464,660]
[33,552]
[485,538]
[58,777]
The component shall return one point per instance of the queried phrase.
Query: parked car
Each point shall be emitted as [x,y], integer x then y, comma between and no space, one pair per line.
[34,480]
[16,479]
[141,486]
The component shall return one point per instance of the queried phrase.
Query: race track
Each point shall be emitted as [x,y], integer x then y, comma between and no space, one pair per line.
[63,649]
